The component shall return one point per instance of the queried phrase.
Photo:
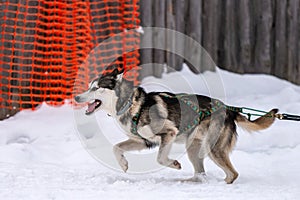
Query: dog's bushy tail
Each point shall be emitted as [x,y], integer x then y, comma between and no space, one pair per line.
[258,124]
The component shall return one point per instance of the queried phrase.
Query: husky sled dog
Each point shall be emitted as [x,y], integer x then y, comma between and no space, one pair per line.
[205,125]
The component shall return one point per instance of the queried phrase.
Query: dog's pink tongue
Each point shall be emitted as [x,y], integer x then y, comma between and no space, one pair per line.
[91,107]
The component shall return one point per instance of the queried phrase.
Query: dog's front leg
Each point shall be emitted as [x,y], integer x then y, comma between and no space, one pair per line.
[128,145]
[164,150]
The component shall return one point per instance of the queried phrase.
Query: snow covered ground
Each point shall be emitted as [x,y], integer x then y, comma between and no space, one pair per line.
[43,154]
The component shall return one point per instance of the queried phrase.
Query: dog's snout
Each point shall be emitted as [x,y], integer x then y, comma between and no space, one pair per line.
[77,99]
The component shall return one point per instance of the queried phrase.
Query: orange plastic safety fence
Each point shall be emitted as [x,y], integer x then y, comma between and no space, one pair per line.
[51,49]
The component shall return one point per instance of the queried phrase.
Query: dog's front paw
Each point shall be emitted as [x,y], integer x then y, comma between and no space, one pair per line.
[175,164]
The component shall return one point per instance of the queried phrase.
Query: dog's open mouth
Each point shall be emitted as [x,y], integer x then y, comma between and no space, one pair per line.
[93,106]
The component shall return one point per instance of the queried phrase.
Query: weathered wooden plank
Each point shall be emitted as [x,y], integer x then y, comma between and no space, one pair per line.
[280,46]
[292,38]
[193,30]
[179,8]
[170,38]
[264,20]
[231,53]
[146,55]
[159,36]
[244,34]
[298,51]
[210,31]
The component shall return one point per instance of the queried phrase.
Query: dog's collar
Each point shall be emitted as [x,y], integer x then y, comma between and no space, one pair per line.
[125,106]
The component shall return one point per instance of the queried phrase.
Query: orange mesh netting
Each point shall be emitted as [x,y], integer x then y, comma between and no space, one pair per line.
[45,45]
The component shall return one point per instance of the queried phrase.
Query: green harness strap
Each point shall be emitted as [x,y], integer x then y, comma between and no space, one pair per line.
[245,110]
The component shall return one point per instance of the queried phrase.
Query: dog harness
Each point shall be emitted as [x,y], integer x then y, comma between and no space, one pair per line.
[201,113]
[184,98]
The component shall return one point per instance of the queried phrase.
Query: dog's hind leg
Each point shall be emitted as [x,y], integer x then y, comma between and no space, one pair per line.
[220,153]
[223,161]
[164,149]
[128,145]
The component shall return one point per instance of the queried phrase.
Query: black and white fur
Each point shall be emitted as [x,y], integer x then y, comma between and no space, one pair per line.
[160,120]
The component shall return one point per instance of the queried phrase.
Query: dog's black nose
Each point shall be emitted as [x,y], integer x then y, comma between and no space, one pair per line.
[77,99]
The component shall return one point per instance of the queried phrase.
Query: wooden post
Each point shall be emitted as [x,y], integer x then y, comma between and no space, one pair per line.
[263,22]
[211,27]
[292,38]
[146,55]
[159,38]
[193,30]
[170,38]
[179,14]
[243,35]
[280,46]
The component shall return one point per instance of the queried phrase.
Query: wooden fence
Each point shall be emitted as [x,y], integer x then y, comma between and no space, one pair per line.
[245,36]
